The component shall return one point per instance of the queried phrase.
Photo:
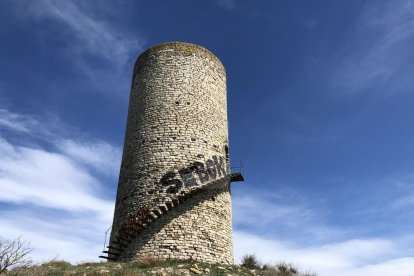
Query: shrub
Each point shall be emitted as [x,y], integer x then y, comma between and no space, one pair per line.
[250,261]
[14,253]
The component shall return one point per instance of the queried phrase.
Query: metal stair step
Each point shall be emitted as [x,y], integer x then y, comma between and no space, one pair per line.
[108,258]
[113,247]
[109,252]
[163,208]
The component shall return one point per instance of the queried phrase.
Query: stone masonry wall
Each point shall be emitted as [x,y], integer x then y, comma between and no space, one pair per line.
[177,116]
[194,230]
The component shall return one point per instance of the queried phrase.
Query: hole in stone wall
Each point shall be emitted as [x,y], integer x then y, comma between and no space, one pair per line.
[177,102]
[193,139]
[188,103]
[213,198]
[226,151]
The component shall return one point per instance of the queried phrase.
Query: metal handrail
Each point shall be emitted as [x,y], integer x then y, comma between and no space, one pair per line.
[106,234]
[238,168]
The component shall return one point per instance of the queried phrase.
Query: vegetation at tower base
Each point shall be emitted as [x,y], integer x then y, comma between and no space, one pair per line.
[14,253]
[155,267]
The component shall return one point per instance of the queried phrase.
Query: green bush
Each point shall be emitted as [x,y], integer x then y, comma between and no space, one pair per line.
[250,261]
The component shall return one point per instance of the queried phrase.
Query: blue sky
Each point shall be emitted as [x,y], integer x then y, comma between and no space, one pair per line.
[320,102]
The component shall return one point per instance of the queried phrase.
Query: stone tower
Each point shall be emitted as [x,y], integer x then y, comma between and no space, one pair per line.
[173,198]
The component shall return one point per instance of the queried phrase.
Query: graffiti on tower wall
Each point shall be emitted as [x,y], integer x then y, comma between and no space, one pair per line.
[172,182]
[196,174]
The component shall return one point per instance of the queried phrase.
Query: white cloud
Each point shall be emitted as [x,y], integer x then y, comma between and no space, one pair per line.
[94,40]
[53,196]
[47,179]
[402,197]
[357,257]
[16,122]
[262,220]
[272,212]
[100,155]
[91,35]
[246,205]
[52,189]
[44,128]
[379,50]
[72,239]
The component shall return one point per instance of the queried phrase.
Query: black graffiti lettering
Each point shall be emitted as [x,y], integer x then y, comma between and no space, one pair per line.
[199,168]
[168,180]
[173,189]
[187,177]
[211,169]
[219,165]
[207,171]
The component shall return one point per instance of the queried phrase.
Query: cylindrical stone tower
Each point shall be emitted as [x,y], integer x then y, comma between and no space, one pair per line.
[173,198]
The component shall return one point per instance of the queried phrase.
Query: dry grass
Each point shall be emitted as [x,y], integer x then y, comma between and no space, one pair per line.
[150,262]
[57,263]
[153,266]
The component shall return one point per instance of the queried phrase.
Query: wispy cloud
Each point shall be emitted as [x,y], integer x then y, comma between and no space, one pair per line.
[16,122]
[310,23]
[47,179]
[100,155]
[356,257]
[402,197]
[95,42]
[62,179]
[91,35]
[284,226]
[247,10]
[379,55]
[227,4]
[273,214]
[71,237]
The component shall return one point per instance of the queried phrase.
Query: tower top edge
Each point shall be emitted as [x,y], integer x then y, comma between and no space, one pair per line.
[180,48]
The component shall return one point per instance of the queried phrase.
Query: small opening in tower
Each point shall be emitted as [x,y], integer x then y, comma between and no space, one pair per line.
[226,151]
[188,103]
[177,102]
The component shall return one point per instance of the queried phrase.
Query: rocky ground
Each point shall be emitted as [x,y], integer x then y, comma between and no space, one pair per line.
[153,267]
